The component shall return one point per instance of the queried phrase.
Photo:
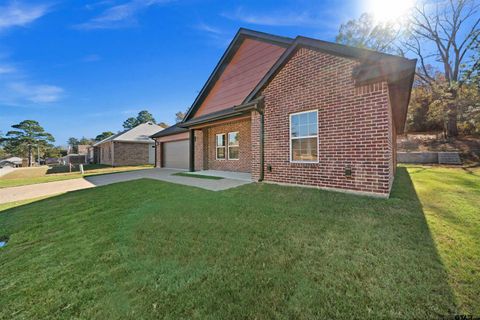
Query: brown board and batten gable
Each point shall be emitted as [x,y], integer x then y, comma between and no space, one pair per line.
[248,58]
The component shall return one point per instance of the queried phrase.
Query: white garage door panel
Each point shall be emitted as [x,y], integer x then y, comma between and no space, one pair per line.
[176,154]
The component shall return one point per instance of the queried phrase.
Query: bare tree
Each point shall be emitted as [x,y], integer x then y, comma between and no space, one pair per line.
[179,116]
[445,32]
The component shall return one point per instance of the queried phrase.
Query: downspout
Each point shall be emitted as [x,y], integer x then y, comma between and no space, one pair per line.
[192,151]
[156,151]
[260,107]
[262,141]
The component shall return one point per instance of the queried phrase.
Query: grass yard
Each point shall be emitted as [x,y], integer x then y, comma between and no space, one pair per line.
[148,249]
[34,175]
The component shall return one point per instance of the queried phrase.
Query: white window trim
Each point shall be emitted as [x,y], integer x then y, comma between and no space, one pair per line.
[303,137]
[238,146]
[216,146]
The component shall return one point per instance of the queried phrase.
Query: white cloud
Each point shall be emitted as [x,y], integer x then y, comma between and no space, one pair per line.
[220,37]
[279,19]
[6,69]
[119,16]
[17,14]
[36,93]
[208,28]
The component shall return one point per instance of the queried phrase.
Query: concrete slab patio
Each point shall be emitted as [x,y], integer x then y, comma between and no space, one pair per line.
[52,188]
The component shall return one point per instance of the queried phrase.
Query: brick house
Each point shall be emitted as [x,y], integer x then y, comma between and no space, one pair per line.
[296,111]
[130,147]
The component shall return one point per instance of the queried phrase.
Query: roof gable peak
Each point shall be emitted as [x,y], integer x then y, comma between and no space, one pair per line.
[227,56]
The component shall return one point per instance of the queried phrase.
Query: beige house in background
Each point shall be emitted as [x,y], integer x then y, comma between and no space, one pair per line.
[130,147]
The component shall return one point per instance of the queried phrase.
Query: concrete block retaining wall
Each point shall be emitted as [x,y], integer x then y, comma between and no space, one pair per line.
[417,157]
[452,158]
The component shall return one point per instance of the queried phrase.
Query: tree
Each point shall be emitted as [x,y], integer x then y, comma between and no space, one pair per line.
[104,135]
[179,116]
[53,152]
[142,117]
[451,29]
[28,134]
[3,153]
[428,103]
[73,143]
[364,32]
[85,141]
[130,123]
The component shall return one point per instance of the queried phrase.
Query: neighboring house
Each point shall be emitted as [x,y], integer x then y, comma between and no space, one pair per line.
[11,162]
[81,157]
[83,148]
[296,111]
[91,154]
[130,147]
[74,158]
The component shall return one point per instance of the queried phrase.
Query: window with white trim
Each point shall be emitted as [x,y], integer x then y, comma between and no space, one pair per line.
[233,146]
[304,136]
[220,146]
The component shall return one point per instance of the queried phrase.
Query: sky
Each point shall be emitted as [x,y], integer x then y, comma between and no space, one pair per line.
[83,67]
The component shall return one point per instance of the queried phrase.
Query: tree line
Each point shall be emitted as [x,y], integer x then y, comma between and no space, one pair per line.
[444,37]
[29,138]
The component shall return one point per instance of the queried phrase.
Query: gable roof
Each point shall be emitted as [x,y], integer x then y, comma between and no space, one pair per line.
[399,72]
[233,47]
[140,134]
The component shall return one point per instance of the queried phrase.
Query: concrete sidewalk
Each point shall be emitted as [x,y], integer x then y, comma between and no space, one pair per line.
[51,188]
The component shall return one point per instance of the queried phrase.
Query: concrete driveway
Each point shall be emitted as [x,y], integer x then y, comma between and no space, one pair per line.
[52,188]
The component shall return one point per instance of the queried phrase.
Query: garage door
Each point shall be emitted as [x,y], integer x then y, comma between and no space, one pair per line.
[176,154]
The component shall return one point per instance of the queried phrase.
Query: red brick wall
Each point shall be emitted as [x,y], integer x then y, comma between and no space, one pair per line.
[199,149]
[354,125]
[255,138]
[158,153]
[244,163]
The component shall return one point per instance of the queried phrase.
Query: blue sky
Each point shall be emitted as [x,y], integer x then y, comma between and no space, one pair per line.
[83,67]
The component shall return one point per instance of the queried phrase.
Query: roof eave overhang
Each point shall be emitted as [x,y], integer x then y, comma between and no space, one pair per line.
[235,111]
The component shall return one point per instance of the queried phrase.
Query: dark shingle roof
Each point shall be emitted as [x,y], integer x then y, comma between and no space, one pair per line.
[169,131]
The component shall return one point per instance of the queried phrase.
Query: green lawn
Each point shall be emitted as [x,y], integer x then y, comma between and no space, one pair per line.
[26,176]
[148,249]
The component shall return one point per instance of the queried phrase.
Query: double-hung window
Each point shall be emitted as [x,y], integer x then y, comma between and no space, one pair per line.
[304,136]
[220,146]
[233,146]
